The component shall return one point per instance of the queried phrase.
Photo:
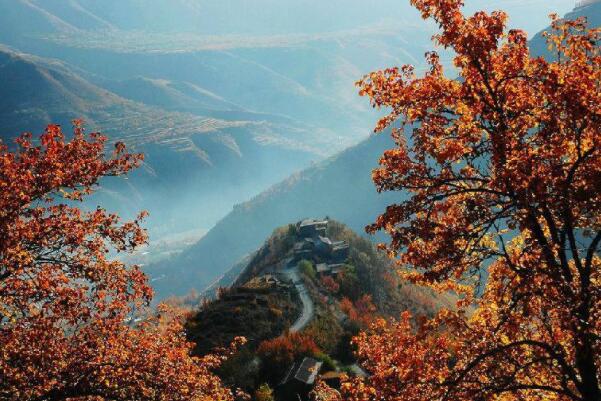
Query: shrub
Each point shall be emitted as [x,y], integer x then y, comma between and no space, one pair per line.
[306,267]
[328,362]
[278,354]
[264,393]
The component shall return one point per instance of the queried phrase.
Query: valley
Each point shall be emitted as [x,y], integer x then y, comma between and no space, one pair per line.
[223,106]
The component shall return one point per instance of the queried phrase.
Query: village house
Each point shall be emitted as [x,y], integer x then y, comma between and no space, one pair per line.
[311,228]
[336,251]
[304,249]
[325,269]
[315,245]
[301,377]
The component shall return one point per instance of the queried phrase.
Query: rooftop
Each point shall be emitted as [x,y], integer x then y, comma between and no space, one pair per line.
[312,222]
[308,370]
[322,268]
[325,240]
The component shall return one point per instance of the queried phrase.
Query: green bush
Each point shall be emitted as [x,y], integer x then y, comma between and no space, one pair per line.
[306,267]
[328,362]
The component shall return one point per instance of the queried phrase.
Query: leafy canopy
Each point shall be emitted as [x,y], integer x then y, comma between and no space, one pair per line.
[503,171]
[68,311]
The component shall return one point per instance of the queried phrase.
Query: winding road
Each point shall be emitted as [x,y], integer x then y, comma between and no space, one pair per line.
[308,308]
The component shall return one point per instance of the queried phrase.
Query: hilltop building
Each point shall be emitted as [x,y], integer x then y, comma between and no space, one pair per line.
[325,269]
[311,228]
[315,245]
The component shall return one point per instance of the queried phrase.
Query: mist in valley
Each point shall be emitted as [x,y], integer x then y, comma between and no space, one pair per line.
[226,99]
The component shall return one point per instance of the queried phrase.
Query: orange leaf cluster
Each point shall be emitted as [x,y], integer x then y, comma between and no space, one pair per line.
[282,351]
[362,311]
[502,168]
[68,322]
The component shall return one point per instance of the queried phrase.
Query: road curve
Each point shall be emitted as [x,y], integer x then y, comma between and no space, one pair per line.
[308,307]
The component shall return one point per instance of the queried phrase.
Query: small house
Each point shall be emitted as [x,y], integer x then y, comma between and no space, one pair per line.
[340,251]
[337,251]
[322,268]
[304,249]
[301,377]
[312,228]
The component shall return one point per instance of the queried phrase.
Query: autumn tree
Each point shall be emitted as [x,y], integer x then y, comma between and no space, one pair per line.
[361,312]
[70,326]
[278,354]
[502,167]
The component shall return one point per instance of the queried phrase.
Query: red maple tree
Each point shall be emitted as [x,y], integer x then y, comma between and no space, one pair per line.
[503,171]
[67,309]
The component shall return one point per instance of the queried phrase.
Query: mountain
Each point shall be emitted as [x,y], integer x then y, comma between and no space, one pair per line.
[161,74]
[589,9]
[282,295]
[234,17]
[339,187]
[207,162]
[244,17]
[297,58]
[284,299]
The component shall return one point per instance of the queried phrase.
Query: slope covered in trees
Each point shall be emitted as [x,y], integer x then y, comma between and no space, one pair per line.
[262,304]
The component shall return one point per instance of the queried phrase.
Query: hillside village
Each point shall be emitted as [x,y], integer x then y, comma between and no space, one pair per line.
[276,281]
[314,282]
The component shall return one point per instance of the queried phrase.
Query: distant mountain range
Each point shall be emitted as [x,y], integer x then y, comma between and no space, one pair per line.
[187,156]
[222,103]
[339,187]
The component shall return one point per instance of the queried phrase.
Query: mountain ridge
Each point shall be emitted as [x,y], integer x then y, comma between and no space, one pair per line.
[234,155]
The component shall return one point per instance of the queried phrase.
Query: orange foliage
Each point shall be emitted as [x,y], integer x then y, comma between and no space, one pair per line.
[64,304]
[330,284]
[361,312]
[282,351]
[322,392]
[503,173]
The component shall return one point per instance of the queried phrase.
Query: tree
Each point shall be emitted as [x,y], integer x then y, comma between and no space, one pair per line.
[264,393]
[280,353]
[503,171]
[361,312]
[330,284]
[68,322]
